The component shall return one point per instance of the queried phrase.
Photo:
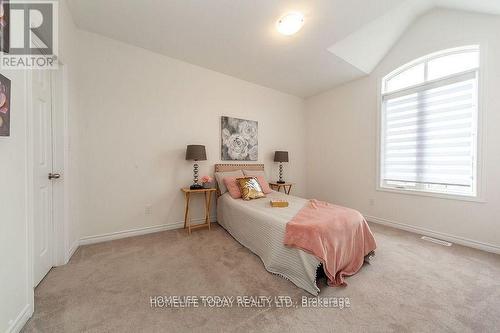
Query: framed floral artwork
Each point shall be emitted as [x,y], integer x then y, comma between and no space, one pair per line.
[239,139]
[4,106]
[4,26]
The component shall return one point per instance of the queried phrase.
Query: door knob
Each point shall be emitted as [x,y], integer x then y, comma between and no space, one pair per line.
[54,176]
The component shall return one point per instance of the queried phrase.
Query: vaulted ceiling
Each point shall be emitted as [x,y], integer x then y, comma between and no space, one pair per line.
[239,38]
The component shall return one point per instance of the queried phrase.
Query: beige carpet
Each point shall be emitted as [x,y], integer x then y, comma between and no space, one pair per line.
[412,286]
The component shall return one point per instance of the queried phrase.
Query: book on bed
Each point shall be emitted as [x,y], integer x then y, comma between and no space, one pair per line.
[279,203]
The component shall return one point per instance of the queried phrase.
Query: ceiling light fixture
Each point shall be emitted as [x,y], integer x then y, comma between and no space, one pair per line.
[290,23]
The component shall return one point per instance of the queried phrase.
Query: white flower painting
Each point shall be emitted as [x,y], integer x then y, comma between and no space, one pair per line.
[239,139]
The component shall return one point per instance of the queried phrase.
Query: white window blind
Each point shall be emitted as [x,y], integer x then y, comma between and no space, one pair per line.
[429,135]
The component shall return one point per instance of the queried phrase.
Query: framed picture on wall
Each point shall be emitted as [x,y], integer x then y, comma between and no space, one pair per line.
[4,106]
[4,26]
[239,139]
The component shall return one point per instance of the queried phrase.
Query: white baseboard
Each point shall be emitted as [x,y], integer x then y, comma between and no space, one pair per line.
[21,319]
[440,235]
[136,232]
[72,251]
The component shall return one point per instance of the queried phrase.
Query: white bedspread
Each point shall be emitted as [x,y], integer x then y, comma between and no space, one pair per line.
[261,228]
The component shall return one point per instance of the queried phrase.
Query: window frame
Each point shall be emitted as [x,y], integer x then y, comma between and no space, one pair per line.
[478,196]
[425,60]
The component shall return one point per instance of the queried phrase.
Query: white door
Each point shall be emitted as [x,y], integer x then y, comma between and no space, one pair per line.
[43,232]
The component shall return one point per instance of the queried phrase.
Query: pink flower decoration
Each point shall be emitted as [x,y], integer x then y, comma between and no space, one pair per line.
[206,179]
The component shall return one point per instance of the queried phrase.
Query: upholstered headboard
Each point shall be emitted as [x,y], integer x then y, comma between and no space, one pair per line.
[234,167]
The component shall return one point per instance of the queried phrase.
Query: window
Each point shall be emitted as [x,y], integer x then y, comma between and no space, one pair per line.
[429,124]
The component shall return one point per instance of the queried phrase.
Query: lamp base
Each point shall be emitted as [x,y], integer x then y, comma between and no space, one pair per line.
[280,182]
[196,187]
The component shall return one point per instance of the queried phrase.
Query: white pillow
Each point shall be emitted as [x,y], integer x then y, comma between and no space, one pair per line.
[255,173]
[219,176]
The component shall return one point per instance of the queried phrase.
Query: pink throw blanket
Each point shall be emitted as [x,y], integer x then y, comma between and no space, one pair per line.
[338,236]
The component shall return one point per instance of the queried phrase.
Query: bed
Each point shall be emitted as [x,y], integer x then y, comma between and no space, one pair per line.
[261,228]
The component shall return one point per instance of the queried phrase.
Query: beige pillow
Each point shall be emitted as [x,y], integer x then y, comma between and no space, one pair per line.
[219,176]
[255,173]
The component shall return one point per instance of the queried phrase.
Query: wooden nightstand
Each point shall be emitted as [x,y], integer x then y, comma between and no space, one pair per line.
[208,199]
[287,187]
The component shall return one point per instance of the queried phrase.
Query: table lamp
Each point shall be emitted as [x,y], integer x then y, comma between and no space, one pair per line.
[196,153]
[281,156]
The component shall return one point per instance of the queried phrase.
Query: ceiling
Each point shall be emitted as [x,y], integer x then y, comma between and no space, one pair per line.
[239,38]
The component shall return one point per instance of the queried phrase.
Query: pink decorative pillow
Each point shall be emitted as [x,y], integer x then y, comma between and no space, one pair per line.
[264,185]
[232,187]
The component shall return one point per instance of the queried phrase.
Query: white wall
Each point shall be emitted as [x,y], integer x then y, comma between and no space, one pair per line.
[342,136]
[68,56]
[139,110]
[16,298]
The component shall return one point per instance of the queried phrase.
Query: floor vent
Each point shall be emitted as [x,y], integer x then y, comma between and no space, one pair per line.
[437,241]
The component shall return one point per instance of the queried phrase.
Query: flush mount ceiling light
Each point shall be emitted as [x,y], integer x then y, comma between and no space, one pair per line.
[290,23]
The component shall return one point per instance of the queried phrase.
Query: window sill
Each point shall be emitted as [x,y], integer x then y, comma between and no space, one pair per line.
[457,197]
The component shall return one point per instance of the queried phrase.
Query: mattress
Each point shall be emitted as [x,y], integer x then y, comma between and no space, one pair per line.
[261,228]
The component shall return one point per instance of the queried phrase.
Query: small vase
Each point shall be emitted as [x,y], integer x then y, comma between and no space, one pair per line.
[207,185]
